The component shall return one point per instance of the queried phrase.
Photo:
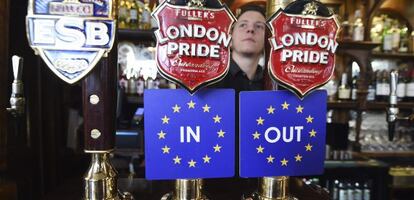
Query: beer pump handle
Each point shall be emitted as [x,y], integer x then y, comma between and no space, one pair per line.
[17,101]
[393,87]
[17,63]
[392,111]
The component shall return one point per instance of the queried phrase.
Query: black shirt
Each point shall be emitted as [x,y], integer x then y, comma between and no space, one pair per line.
[238,80]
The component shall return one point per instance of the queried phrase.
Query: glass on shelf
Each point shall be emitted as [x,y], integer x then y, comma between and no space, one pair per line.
[136,14]
[374,135]
[391,32]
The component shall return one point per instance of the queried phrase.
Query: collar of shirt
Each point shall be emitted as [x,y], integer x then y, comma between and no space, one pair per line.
[235,70]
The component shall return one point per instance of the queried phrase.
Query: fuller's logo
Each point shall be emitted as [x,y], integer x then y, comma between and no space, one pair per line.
[302,55]
[193,44]
[71,35]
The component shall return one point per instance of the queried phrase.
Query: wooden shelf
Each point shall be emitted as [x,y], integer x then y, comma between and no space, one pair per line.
[383,105]
[387,154]
[354,163]
[408,187]
[135,99]
[376,54]
[371,105]
[136,35]
[343,104]
[364,45]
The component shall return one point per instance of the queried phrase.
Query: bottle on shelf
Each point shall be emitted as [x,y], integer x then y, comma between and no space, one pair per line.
[381,86]
[123,14]
[357,191]
[123,84]
[350,190]
[386,85]
[132,86]
[376,30]
[157,83]
[343,191]
[354,87]
[331,87]
[358,27]
[371,88]
[133,15]
[395,31]
[335,190]
[367,191]
[344,91]
[402,83]
[411,42]
[409,90]
[140,86]
[146,16]
[404,41]
[387,36]
[150,83]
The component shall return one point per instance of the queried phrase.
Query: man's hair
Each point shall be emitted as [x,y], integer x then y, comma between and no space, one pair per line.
[250,7]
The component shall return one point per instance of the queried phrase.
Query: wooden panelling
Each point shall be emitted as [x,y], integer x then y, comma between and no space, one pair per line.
[4,81]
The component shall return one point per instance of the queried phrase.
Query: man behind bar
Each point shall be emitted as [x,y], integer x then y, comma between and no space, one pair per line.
[245,74]
[247,47]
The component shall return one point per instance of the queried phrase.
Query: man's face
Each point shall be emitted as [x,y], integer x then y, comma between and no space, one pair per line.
[248,33]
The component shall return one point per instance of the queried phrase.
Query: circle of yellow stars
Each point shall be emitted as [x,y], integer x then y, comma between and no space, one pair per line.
[192,163]
[260,121]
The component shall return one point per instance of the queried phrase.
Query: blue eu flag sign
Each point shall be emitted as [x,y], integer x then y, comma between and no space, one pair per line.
[189,136]
[282,135]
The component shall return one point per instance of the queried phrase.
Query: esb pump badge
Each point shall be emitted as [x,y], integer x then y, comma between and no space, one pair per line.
[71,36]
[302,55]
[193,43]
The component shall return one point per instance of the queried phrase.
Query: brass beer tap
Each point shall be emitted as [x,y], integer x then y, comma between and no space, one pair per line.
[101,180]
[187,189]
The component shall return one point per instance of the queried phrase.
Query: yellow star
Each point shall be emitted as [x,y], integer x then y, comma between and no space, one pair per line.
[221,133]
[284,162]
[165,149]
[217,119]
[270,159]
[285,106]
[191,104]
[309,119]
[270,110]
[260,121]
[308,147]
[260,149]
[177,160]
[161,135]
[256,135]
[176,108]
[217,148]
[165,120]
[299,109]
[206,159]
[192,163]
[312,133]
[206,108]
[298,158]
